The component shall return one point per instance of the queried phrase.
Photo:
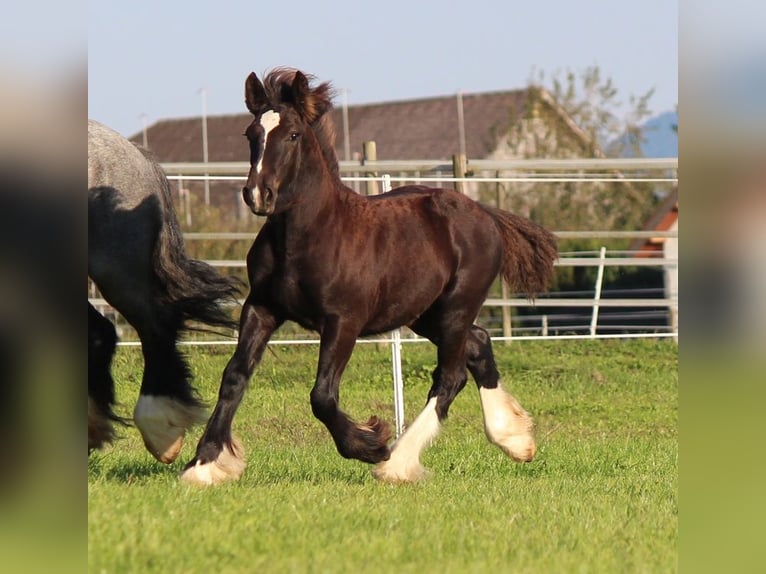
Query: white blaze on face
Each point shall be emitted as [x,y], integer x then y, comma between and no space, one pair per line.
[269,120]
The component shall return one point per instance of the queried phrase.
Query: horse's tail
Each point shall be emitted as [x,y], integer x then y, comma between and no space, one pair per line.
[193,287]
[529,252]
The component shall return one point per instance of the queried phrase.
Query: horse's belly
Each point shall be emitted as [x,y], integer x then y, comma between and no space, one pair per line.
[403,308]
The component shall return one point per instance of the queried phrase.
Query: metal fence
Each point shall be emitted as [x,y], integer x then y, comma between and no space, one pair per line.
[552,310]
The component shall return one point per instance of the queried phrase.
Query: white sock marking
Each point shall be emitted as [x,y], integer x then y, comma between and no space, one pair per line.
[228,466]
[404,464]
[162,422]
[507,424]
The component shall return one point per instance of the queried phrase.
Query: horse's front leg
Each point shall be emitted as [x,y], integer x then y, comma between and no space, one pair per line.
[219,455]
[367,442]
[102,342]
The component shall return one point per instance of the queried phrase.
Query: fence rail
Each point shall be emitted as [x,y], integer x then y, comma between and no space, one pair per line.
[350,167]
[382,172]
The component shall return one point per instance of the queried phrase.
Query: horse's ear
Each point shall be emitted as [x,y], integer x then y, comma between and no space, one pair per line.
[255,95]
[300,95]
[300,86]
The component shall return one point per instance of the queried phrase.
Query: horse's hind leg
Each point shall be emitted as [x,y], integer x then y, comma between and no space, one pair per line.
[506,423]
[102,341]
[449,378]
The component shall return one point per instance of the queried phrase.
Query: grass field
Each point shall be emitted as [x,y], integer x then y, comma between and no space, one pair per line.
[601,495]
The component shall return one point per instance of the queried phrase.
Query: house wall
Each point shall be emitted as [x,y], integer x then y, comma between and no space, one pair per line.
[670,251]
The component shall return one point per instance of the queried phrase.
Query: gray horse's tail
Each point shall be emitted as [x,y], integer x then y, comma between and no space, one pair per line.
[192,287]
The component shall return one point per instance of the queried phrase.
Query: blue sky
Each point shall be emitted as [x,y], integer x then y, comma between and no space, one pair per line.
[147,60]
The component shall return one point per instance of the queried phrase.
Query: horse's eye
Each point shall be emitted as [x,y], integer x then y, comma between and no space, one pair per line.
[293,136]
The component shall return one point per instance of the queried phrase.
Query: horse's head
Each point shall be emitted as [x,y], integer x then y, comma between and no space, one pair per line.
[286,112]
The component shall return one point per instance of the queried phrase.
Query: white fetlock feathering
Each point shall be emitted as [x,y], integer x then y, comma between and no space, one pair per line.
[507,424]
[404,463]
[229,465]
[162,422]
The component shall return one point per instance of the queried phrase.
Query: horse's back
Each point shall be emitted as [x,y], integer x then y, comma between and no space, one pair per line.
[427,217]
[402,251]
[115,162]
[123,190]
[124,215]
[431,202]
[486,240]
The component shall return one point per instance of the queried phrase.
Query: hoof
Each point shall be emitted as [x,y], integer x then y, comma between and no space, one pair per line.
[162,422]
[521,448]
[394,472]
[229,465]
[404,463]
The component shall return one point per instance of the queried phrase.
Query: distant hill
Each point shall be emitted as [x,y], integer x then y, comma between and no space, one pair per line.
[660,137]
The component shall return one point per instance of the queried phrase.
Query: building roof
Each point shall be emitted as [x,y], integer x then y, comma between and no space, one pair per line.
[409,129]
[662,219]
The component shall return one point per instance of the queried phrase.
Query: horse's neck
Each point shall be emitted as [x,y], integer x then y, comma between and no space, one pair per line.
[321,214]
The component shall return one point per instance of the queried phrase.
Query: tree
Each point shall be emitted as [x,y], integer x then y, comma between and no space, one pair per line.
[576,115]
[580,116]
[593,104]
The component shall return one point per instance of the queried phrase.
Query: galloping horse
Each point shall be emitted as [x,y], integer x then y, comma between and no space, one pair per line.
[346,266]
[136,257]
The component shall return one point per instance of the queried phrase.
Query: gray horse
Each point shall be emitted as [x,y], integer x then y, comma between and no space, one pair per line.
[136,258]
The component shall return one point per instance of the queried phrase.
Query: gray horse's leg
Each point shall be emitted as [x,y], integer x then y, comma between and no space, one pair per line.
[102,340]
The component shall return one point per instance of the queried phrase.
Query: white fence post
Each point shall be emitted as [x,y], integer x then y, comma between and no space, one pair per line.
[597,298]
[396,357]
[396,360]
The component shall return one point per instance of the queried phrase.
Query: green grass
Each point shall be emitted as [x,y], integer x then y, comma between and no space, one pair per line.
[601,495]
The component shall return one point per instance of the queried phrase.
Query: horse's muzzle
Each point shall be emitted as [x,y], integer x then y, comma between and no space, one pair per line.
[259,203]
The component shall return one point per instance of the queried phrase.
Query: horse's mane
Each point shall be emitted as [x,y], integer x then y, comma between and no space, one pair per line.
[317,105]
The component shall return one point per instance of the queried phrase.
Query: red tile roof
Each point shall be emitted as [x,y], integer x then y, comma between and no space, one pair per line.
[662,219]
